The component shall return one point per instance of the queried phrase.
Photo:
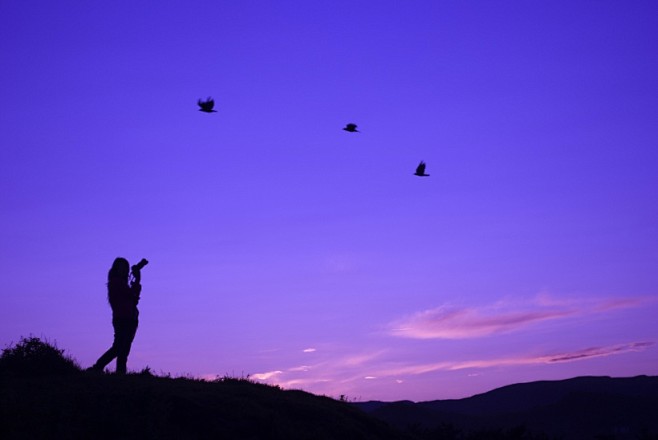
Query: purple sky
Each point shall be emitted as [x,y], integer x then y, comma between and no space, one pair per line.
[287,249]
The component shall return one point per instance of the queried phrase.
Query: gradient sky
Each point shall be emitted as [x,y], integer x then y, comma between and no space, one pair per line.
[284,248]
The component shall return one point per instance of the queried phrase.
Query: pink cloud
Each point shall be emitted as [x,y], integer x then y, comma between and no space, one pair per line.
[571,356]
[622,303]
[267,375]
[461,323]
[334,371]
[599,351]
[470,322]
[324,376]
[343,373]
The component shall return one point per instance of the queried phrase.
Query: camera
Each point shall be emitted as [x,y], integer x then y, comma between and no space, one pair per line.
[139,266]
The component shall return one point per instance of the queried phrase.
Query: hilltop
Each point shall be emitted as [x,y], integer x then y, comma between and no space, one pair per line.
[141,406]
[45,395]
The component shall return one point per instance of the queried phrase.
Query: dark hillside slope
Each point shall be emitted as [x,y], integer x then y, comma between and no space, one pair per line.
[578,408]
[141,406]
[522,396]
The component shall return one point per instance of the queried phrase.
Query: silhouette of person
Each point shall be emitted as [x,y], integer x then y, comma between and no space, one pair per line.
[123,296]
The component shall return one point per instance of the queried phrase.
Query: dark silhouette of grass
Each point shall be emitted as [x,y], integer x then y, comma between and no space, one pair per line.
[33,357]
[45,395]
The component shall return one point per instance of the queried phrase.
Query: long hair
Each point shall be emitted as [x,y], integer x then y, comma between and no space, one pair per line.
[118,274]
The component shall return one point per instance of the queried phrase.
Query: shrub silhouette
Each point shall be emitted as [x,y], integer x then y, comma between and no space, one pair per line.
[33,357]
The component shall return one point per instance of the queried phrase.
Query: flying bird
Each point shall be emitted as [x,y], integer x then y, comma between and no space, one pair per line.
[420,170]
[351,128]
[207,105]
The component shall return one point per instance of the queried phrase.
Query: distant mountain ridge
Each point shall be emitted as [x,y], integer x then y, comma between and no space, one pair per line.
[577,408]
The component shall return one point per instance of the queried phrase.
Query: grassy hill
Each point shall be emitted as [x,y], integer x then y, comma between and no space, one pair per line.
[44,395]
[142,406]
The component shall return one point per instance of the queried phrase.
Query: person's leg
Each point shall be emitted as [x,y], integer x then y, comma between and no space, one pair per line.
[108,356]
[124,342]
[105,359]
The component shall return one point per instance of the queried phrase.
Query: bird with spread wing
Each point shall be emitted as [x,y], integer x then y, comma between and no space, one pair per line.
[420,170]
[351,128]
[207,105]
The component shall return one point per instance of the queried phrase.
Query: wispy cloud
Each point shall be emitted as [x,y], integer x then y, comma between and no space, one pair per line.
[267,375]
[333,370]
[452,322]
[599,351]
[459,323]
[338,373]
[570,356]
[300,368]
